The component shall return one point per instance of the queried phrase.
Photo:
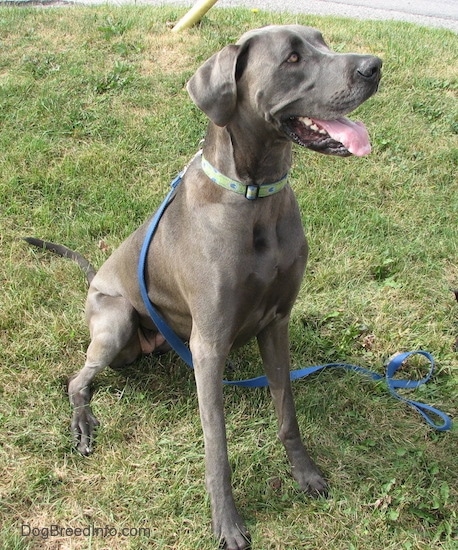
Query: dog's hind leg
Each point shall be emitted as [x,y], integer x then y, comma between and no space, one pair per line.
[114,341]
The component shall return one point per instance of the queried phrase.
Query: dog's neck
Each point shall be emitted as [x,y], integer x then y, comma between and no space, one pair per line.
[267,161]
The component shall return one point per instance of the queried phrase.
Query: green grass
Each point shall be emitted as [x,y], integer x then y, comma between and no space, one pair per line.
[95,121]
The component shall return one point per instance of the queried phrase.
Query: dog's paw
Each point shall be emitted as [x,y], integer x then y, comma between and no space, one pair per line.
[83,427]
[313,483]
[232,533]
[317,487]
[241,541]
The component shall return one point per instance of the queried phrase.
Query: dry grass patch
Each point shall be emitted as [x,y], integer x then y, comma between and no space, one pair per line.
[169,53]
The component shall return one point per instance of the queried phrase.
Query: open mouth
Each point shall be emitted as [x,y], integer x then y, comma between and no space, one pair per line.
[341,137]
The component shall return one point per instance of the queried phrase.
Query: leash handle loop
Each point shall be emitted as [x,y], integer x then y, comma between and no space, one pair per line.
[427,411]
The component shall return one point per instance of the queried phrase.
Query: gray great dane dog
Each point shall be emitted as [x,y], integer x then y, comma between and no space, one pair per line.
[224,269]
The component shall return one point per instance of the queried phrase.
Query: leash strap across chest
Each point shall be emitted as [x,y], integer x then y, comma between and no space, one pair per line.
[433,416]
[167,332]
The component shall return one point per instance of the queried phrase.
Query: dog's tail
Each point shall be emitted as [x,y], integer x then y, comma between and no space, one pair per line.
[88,268]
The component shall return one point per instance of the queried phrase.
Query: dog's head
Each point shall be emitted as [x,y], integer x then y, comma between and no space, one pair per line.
[288,77]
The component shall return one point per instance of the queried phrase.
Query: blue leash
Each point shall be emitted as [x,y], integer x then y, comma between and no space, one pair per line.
[426,411]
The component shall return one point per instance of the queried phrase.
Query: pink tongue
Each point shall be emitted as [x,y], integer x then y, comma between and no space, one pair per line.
[353,135]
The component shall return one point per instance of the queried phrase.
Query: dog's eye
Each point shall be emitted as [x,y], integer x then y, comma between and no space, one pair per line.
[293,58]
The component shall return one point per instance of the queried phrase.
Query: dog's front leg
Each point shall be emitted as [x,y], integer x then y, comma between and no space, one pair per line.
[274,347]
[209,364]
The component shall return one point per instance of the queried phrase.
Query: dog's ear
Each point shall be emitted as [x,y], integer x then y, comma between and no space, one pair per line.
[213,88]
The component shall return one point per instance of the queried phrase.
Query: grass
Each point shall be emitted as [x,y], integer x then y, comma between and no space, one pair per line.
[95,122]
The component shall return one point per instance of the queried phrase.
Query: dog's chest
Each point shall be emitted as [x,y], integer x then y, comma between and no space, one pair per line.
[272,271]
[269,279]
[277,246]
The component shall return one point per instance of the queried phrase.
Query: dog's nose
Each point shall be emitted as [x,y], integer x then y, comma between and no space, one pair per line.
[370,67]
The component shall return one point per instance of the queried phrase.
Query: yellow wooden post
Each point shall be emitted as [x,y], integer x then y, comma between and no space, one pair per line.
[194,15]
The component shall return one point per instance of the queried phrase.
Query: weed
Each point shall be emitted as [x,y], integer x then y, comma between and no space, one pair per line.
[112,27]
[116,79]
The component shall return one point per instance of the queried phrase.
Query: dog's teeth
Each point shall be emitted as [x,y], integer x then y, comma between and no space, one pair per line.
[311,125]
[306,120]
